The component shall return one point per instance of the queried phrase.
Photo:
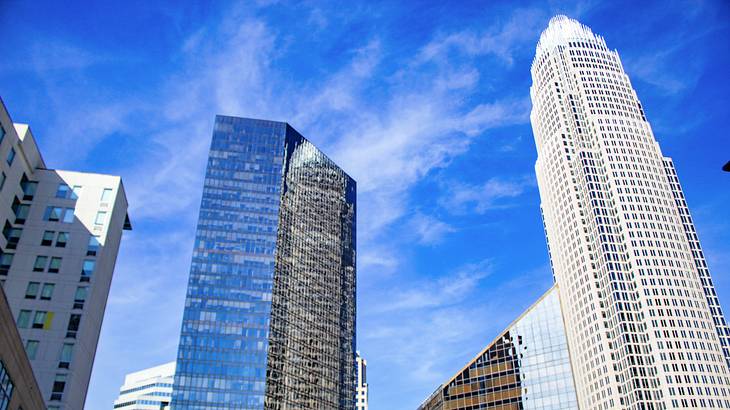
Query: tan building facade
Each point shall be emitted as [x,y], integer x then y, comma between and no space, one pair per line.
[18,387]
[61,236]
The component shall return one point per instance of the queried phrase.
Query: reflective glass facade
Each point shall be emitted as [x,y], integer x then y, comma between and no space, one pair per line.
[526,367]
[269,316]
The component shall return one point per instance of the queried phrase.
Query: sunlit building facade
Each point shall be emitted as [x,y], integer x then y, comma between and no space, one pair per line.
[61,235]
[526,367]
[269,319]
[643,322]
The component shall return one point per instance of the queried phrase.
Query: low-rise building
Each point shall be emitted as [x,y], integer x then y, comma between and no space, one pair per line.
[148,389]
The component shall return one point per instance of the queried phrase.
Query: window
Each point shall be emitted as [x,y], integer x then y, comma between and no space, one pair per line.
[31,348]
[39,319]
[68,216]
[20,211]
[24,319]
[48,238]
[6,387]
[66,192]
[2,179]
[87,270]
[93,246]
[75,192]
[66,355]
[6,259]
[100,218]
[53,213]
[29,187]
[106,195]
[40,263]
[11,156]
[80,297]
[59,383]
[32,290]
[12,235]
[88,267]
[55,265]
[2,133]
[62,191]
[47,291]
[73,326]
[62,240]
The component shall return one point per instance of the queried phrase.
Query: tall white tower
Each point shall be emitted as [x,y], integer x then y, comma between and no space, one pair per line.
[644,327]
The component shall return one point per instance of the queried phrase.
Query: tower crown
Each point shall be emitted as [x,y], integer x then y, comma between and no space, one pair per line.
[562,29]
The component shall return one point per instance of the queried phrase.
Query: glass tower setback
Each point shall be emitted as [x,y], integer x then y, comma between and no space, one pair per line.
[526,367]
[269,319]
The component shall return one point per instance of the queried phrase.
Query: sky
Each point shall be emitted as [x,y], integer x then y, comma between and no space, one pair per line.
[425,104]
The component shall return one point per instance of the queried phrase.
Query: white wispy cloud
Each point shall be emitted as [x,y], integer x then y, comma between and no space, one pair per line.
[427,229]
[447,290]
[500,40]
[428,329]
[492,194]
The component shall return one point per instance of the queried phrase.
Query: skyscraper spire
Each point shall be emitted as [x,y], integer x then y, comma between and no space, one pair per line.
[562,29]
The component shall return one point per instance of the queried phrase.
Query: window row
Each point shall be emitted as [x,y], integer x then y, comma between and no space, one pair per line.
[65,191]
[52,264]
[46,293]
[42,262]
[66,215]
[6,385]
[60,237]
[65,356]
[46,290]
[41,319]
[59,214]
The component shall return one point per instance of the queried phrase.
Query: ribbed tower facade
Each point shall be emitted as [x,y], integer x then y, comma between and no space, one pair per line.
[644,326]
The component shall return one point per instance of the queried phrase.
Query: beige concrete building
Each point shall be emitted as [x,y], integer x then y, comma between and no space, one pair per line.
[59,244]
[18,387]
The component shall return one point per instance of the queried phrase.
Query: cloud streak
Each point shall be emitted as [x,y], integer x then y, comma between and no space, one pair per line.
[495,193]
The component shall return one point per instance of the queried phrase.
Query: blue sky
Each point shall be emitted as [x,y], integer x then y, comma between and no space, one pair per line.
[425,104]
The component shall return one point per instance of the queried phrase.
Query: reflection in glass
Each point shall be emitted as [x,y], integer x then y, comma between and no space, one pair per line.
[526,367]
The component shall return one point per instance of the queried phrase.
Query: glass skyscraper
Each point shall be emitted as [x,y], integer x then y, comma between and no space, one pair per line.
[269,319]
